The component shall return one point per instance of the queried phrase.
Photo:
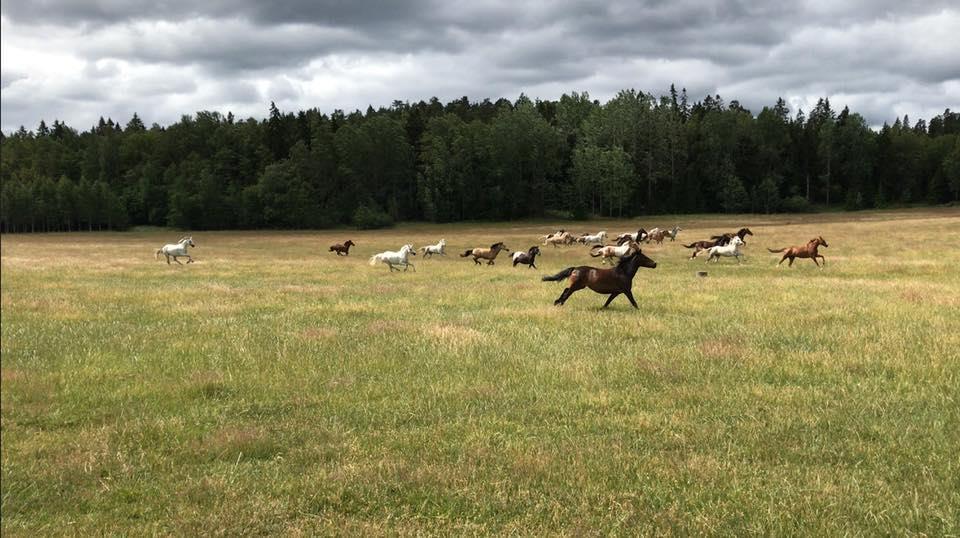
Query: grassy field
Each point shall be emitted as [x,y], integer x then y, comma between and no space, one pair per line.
[272,387]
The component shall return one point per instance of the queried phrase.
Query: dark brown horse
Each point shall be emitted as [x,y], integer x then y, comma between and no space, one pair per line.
[529,257]
[806,251]
[717,241]
[485,253]
[724,239]
[614,281]
[342,249]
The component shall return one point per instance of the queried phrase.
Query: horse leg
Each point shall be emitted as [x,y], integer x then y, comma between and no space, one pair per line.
[610,299]
[629,294]
[791,262]
[412,265]
[476,260]
[822,259]
[814,260]
[533,265]
[168,258]
[490,262]
[177,260]
[567,292]
[189,258]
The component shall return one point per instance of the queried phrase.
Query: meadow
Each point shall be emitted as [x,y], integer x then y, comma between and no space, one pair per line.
[274,388]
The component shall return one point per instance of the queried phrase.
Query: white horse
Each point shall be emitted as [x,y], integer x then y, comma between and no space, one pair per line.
[595,238]
[611,252]
[430,250]
[673,233]
[730,249]
[395,258]
[176,250]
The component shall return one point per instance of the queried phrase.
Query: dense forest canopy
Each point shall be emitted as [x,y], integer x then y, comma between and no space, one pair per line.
[635,154]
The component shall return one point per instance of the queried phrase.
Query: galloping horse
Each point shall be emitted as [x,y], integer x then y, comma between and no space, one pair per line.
[717,241]
[392,258]
[430,250]
[730,249]
[610,252]
[485,253]
[638,237]
[176,250]
[659,235]
[723,239]
[562,238]
[342,249]
[807,251]
[529,257]
[614,281]
[595,238]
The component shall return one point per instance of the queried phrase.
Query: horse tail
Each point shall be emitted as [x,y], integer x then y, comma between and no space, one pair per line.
[374,259]
[559,276]
[466,253]
[691,245]
[594,250]
[777,251]
[156,255]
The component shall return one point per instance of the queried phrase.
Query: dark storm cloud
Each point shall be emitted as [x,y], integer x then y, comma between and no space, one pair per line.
[177,56]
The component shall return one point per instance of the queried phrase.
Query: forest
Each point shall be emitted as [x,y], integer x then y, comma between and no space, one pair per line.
[575,157]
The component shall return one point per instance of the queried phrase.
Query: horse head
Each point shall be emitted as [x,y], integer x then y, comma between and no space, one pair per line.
[630,264]
[408,248]
[499,246]
[349,243]
[743,232]
[533,251]
[736,241]
[188,240]
[820,241]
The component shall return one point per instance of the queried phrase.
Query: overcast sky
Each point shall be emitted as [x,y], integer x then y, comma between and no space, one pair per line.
[77,60]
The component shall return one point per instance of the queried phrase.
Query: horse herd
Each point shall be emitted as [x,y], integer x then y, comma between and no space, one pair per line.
[625,257]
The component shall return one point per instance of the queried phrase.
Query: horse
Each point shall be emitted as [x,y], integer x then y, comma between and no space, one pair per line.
[344,249]
[609,252]
[723,239]
[614,281]
[595,238]
[717,241]
[430,250]
[807,251]
[561,237]
[395,258]
[638,237]
[673,233]
[730,249]
[529,257]
[176,250]
[485,253]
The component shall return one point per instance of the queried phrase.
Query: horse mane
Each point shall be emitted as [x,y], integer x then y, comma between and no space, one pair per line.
[493,246]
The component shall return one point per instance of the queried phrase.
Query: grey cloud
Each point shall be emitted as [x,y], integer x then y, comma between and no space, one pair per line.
[872,52]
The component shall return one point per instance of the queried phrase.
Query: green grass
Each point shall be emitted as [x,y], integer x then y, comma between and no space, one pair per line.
[272,387]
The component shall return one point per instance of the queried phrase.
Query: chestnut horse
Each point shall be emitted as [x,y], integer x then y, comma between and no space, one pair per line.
[344,249]
[806,251]
[614,281]
[485,253]
[529,257]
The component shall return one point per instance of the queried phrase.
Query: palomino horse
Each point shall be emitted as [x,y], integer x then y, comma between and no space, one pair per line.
[485,253]
[392,258]
[610,252]
[614,281]
[638,237]
[176,250]
[342,249]
[730,249]
[430,250]
[807,251]
[560,238]
[529,257]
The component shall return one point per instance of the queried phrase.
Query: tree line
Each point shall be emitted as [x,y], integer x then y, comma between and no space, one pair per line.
[573,157]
